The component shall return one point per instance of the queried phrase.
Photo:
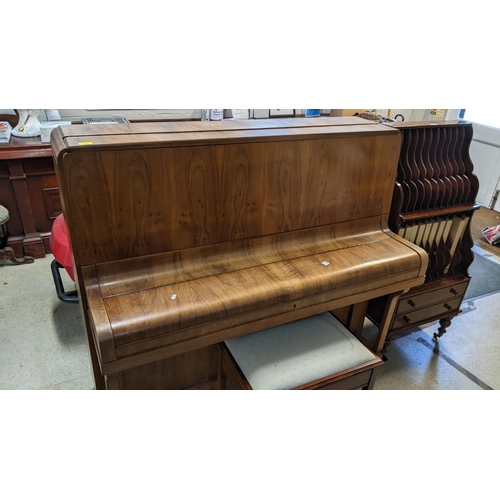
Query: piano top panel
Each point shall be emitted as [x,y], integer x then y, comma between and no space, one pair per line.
[146,140]
[81,130]
[86,133]
[130,202]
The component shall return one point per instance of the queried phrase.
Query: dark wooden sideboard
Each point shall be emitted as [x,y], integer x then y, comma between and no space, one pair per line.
[433,204]
[28,189]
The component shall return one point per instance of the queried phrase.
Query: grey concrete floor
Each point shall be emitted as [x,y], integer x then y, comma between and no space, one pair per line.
[43,343]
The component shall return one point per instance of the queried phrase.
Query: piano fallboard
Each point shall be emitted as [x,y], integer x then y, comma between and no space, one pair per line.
[175,299]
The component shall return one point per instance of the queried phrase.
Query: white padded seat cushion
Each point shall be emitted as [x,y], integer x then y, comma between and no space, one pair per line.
[293,354]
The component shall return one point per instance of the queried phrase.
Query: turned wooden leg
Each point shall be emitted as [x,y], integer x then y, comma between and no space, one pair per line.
[445,323]
[221,376]
[383,352]
[8,253]
[390,307]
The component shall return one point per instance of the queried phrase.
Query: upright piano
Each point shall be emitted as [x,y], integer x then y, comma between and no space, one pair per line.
[185,235]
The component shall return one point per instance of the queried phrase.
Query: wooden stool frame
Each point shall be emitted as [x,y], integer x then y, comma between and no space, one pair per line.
[357,377]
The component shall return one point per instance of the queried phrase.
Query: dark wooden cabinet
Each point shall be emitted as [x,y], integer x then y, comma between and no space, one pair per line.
[28,189]
[433,204]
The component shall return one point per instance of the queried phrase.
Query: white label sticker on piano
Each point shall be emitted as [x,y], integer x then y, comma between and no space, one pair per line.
[325,263]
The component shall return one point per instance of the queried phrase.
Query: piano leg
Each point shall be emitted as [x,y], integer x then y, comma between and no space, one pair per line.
[385,324]
[98,377]
[353,316]
[383,352]
[99,381]
[221,376]
[114,381]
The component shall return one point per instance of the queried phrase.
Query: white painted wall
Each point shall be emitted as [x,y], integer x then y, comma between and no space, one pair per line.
[485,155]
[136,114]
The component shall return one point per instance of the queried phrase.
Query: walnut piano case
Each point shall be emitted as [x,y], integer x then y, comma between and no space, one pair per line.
[185,235]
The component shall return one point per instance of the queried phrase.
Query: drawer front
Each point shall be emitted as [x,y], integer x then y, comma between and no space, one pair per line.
[354,382]
[427,313]
[415,302]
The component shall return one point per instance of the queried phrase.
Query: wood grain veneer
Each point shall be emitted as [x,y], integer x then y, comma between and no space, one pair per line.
[187,234]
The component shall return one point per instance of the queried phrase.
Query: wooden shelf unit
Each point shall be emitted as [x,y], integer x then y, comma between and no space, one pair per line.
[433,204]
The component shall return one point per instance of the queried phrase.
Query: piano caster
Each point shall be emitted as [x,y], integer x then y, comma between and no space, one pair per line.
[445,323]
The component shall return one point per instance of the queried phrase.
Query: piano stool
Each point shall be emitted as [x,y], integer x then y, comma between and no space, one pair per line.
[317,352]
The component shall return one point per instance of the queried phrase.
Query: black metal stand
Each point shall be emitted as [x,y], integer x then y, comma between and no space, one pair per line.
[72,296]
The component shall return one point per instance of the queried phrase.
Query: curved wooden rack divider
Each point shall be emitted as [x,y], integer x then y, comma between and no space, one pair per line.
[433,203]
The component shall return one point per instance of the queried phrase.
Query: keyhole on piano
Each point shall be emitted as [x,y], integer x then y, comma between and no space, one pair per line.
[411,303]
